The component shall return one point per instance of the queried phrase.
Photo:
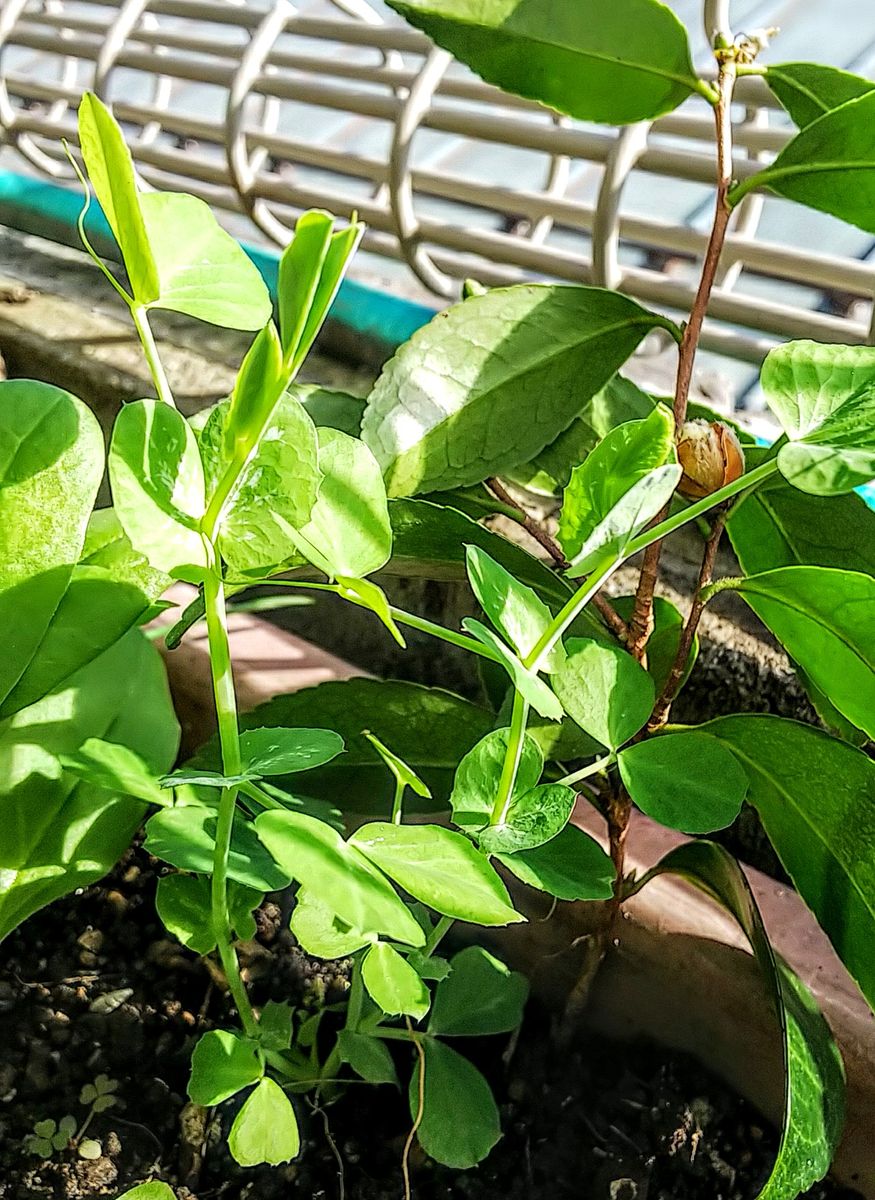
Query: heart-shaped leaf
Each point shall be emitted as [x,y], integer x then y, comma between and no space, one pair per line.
[265,1129]
[480,996]
[532,818]
[479,774]
[222,1065]
[393,984]
[571,866]
[321,932]
[460,1121]
[367,1056]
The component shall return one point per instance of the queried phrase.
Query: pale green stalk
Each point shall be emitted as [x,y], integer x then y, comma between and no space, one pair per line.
[150,349]
[584,772]
[515,739]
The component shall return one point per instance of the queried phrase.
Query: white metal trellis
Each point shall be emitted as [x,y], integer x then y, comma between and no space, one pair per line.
[268,107]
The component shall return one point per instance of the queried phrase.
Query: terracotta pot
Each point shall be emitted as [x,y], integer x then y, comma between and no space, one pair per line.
[680,971]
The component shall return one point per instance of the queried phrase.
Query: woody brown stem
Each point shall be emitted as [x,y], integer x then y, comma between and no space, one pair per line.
[535,530]
[641,621]
[673,682]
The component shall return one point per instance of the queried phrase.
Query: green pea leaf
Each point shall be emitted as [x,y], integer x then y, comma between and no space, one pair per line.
[257,387]
[158,487]
[515,610]
[808,90]
[298,279]
[265,1129]
[829,165]
[479,773]
[367,1056]
[278,751]
[440,868]
[605,691]
[202,271]
[367,594]
[184,905]
[275,1025]
[61,833]
[186,838]
[276,475]
[460,1121]
[618,489]
[148,1191]
[824,836]
[445,411]
[532,818]
[526,681]
[686,780]
[333,409]
[51,464]
[401,772]
[428,728]
[338,874]
[825,619]
[348,533]
[571,866]
[594,61]
[115,767]
[111,172]
[814,1085]
[320,931]
[222,1065]
[480,996]
[393,984]
[618,401]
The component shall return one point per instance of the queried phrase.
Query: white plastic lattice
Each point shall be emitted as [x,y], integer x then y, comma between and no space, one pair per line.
[267,107]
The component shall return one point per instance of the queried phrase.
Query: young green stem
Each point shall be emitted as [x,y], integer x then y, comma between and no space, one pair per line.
[515,739]
[150,350]
[641,621]
[229,740]
[592,768]
[397,802]
[436,936]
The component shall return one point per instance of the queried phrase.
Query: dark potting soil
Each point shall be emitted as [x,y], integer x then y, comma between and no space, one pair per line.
[92,985]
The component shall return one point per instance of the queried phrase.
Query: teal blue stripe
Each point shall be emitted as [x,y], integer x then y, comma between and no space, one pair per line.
[366,311]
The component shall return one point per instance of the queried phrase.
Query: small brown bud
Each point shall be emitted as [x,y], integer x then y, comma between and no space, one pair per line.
[711,456]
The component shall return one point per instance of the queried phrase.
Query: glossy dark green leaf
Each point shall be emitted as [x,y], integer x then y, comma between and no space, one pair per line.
[277,751]
[445,411]
[515,610]
[393,984]
[480,996]
[825,619]
[277,477]
[368,1057]
[428,728]
[429,540]
[183,903]
[348,532]
[460,1121]
[686,780]
[222,1065]
[571,866]
[776,525]
[816,798]
[265,1129]
[532,818]
[527,682]
[813,1075]
[158,487]
[593,60]
[605,691]
[51,463]
[440,868]
[808,90]
[837,723]
[617,490]
[60,833]
[186,838]
[620,400]
[338,874]
[829,165]
[476,784]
